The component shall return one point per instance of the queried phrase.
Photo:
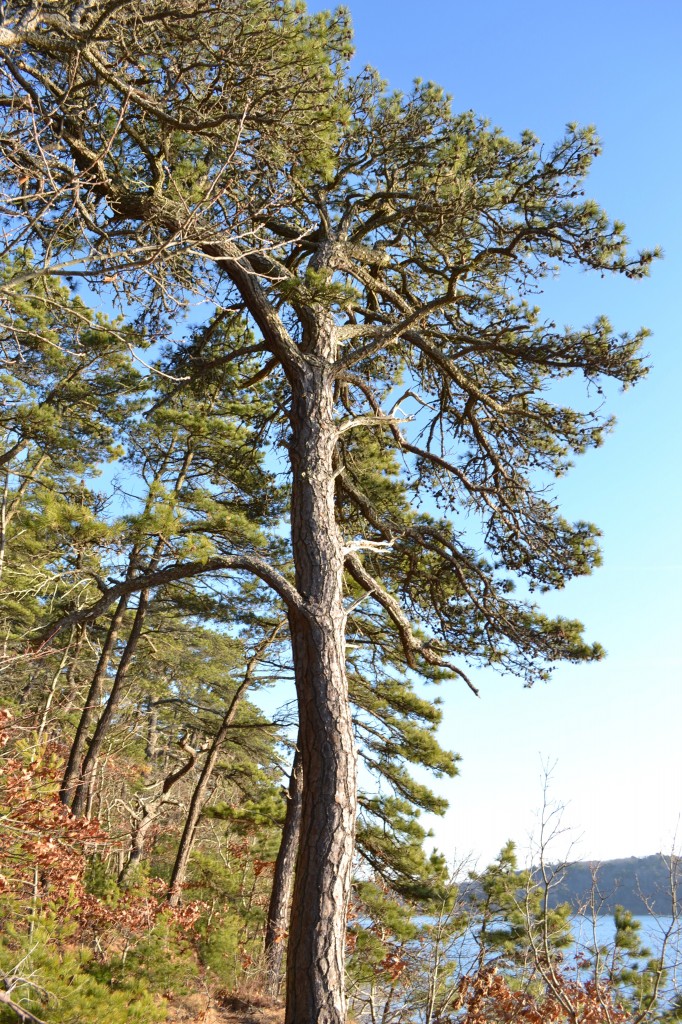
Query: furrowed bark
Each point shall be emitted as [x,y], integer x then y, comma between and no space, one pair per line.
[283,881]
[317,935]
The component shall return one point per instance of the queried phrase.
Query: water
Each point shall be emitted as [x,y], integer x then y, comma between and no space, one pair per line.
[660,935]
[655,932]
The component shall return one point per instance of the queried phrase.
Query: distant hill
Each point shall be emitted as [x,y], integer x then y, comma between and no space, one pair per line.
[640,884]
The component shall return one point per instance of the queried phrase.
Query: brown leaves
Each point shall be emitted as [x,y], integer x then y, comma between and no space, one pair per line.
[487,998]
[393,966]
[5,719]
[43,846]
[260,866]
[44,851]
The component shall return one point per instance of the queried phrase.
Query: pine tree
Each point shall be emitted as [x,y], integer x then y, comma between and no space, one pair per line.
[366,236]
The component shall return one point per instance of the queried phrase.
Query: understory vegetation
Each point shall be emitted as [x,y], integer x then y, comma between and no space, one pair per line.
[91,933]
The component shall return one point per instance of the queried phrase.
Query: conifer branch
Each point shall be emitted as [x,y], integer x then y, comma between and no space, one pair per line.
[177,573]
[412,647]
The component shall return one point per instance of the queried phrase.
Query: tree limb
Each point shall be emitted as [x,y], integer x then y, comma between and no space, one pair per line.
[174,573]
[412,647]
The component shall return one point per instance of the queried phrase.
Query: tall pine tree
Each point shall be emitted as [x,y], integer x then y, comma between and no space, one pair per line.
[366,236]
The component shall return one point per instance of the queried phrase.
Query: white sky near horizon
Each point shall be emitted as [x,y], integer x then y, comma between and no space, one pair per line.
[611,730]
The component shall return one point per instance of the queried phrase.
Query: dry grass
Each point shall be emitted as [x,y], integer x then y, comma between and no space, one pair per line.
[227,1008]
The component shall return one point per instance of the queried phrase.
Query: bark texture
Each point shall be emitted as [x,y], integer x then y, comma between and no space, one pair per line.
[316,949]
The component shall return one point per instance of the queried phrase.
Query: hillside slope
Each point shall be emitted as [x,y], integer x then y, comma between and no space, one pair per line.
[642,885]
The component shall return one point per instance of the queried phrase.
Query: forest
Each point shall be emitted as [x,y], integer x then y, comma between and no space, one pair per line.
[279,413]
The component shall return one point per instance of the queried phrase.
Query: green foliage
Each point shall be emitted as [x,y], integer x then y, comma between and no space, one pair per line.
[629,967]
[68,986]
[391,841]
[221,949]
[163,960]
[513,909]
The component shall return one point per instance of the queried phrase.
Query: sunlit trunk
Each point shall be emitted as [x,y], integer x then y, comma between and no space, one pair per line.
[317,936]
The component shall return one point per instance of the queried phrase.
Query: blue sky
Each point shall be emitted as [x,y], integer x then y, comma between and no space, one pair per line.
[612,730]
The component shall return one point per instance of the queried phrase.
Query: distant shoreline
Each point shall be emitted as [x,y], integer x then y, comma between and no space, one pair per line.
[642,885]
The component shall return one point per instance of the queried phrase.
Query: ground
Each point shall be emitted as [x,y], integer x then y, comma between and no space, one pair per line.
[227,1009]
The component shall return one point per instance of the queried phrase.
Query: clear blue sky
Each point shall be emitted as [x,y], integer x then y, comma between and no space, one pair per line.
[613,729]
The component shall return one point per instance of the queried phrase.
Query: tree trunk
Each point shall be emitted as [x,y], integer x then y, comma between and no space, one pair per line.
[317,934]
[283,880]
[95,746]
[72,773]
[149,811]
[53,689]
[196,806]
[198,800]
[152,735]
[88,790]
[137,841]
[72,684]
[3,521]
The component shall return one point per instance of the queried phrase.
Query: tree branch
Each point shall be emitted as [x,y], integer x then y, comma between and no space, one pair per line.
[175,573]
[24,1015]
[412,647]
